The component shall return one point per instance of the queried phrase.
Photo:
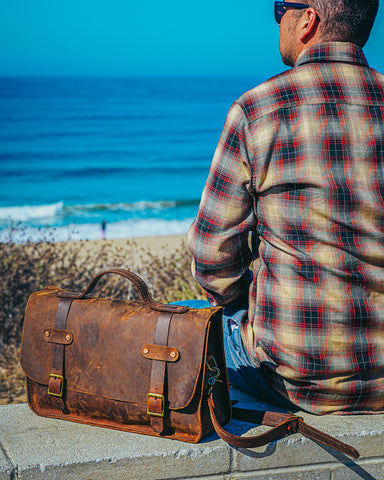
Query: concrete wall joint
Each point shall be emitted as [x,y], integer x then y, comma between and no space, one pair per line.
[10,467]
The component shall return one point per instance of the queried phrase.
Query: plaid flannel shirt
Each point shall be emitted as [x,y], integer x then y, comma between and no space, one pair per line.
[300,164]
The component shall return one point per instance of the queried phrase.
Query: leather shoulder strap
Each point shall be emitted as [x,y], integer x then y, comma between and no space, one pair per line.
[283,424]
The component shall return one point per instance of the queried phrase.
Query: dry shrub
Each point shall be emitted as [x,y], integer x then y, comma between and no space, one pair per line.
[29,267]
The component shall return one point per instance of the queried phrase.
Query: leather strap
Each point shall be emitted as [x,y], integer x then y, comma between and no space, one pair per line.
[156,400]
[56,378]
[283,424]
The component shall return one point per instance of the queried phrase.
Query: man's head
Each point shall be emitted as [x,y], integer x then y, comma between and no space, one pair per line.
[325,20]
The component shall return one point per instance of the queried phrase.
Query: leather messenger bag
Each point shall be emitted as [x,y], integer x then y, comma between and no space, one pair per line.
[139,366]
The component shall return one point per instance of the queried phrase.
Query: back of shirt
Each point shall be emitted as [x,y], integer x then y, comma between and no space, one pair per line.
[315,147]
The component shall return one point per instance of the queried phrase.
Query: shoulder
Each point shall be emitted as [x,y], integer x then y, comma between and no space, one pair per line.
[270,95]
[377,77]
[308,84]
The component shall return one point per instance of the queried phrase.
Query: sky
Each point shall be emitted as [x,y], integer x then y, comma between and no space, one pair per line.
[146,38]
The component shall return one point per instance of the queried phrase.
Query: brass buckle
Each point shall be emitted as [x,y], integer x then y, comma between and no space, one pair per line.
[296,416]
[56,377]
[154,395]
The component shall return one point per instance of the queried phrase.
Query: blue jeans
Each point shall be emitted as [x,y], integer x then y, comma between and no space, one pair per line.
[242,373]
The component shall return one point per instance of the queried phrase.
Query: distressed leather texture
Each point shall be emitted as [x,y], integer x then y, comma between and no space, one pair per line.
[106,375]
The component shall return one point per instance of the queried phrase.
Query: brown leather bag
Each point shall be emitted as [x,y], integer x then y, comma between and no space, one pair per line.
[139,366]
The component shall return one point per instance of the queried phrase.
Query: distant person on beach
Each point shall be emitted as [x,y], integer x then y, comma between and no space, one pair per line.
[300,167]
[103,229]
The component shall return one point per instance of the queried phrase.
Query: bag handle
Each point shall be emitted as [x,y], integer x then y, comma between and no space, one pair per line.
[137,281]
[283,424]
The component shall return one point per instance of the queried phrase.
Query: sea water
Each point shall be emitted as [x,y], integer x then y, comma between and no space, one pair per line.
[132,152]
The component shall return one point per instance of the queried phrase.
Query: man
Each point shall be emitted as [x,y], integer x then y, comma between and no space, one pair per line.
[300,165]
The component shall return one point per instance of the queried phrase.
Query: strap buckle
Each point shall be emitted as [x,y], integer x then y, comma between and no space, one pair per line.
[296,416]
[156,397]
[57,377]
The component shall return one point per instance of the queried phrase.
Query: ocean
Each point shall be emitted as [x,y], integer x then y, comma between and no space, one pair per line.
[131,152]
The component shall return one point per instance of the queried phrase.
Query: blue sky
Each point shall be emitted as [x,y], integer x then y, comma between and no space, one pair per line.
[146,37]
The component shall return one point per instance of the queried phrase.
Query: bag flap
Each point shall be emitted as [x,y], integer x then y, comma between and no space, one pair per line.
[105,358]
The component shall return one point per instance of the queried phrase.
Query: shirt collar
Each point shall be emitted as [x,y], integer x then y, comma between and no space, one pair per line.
[332,52]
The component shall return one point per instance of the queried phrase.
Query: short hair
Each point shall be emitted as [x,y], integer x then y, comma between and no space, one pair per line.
[346,20]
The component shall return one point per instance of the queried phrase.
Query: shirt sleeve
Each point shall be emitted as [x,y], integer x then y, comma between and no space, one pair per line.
[218,237]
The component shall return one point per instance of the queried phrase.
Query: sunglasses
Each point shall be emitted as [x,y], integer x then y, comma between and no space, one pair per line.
[281,8]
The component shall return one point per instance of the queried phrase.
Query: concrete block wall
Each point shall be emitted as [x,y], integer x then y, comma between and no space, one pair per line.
[38,448]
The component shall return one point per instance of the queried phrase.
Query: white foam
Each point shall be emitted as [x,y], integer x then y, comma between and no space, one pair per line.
[45,214]
[139,206]
[30,212]
[92,231]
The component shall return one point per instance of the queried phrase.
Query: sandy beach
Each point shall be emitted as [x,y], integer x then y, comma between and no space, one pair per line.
[158,245]
[136,250]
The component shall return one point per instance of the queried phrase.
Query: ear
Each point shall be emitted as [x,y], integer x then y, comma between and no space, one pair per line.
[309,25]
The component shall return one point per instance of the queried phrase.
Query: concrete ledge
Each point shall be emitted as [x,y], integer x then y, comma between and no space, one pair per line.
[38,448]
